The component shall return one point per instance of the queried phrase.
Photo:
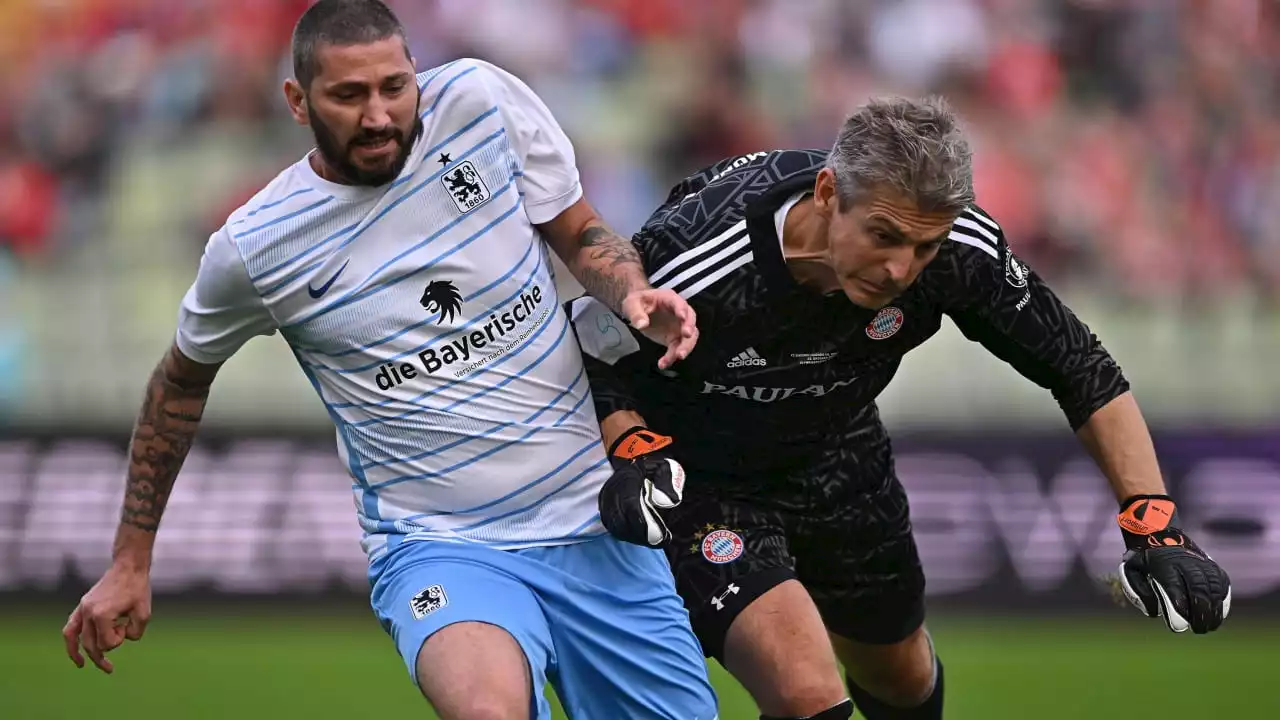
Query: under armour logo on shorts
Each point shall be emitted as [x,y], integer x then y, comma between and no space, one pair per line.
[718,600]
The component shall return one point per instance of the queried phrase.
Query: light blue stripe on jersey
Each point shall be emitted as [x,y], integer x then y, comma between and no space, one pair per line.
[594,519]
[441,388]
[518,491]
[432,318]
[281,201]
[481,456]
[447,85]
[288,216]
[568,483]
[426,78]
[533,275]
[382,213]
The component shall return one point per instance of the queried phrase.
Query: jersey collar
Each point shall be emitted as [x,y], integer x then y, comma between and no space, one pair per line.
[766,246]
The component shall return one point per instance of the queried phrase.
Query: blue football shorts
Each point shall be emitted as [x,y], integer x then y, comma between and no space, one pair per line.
[600,620]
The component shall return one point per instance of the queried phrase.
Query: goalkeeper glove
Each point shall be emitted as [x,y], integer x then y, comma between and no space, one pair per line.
[645,481]
[1165,574]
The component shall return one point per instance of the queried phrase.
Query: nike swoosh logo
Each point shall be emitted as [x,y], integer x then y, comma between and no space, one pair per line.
[317,293]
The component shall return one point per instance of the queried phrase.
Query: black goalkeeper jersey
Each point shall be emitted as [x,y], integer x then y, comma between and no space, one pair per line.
[780,367]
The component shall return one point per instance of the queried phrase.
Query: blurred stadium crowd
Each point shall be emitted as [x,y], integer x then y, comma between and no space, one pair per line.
[1130,148]
[1136,141]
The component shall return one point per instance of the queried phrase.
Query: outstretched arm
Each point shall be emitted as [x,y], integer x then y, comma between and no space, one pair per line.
[1010,310]
[119,605]
[219,313]
[1016,316]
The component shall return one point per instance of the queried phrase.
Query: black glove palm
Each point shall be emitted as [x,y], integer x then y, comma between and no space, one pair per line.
[645,481]
[1165,574]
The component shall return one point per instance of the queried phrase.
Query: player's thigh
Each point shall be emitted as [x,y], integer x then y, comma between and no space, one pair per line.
[860,563]
[723,555]
[624,646]
[470,631]
[778,648]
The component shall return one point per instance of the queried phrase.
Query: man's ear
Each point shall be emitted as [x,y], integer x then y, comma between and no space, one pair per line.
[296,97]
[825,199]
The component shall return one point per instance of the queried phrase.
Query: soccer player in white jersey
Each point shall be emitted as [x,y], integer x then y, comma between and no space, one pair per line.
[406,263]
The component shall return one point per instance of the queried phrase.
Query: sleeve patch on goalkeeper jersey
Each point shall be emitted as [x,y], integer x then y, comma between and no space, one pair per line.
[602,334]
[1015,271]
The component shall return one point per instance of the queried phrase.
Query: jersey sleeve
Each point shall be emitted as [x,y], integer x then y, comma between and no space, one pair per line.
[549,172]
[1004,305]
[222,309]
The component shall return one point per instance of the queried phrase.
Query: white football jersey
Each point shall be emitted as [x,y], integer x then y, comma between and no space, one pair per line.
[425,314]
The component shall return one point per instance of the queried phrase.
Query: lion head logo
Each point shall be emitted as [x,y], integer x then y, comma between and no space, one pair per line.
[441,296]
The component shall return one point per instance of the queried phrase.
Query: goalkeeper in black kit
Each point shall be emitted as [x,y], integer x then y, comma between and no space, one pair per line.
[760,462]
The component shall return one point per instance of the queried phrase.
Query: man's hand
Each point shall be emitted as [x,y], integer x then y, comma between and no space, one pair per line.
[645,481]
[665,318]
[1164,574]
[114,610]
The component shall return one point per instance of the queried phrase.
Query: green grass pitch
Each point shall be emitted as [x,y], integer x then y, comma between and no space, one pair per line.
[335,662]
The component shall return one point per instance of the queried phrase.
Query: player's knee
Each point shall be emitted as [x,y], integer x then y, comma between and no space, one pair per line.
[489,708]
[805,687]
[908,687]
[903,684]
[901,675]
[481,701]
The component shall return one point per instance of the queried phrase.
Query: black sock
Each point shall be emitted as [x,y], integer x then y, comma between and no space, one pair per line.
[843,711]
[873,709]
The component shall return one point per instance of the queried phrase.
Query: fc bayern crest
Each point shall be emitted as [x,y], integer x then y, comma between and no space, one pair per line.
[886,322]
[722,546]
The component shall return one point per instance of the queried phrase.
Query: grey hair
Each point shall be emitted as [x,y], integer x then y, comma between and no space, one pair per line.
[914,148]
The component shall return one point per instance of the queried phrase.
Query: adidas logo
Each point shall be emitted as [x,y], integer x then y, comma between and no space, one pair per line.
[745,358]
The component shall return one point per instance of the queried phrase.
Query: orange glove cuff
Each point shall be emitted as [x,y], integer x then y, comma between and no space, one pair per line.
[638,441]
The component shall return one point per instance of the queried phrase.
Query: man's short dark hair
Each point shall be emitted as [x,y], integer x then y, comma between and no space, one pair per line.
[339,22]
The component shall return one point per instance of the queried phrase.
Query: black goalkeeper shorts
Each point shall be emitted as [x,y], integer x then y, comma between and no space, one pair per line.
[840,525]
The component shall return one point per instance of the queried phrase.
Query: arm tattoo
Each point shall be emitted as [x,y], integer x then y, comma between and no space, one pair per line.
[163,435]
[609,267]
